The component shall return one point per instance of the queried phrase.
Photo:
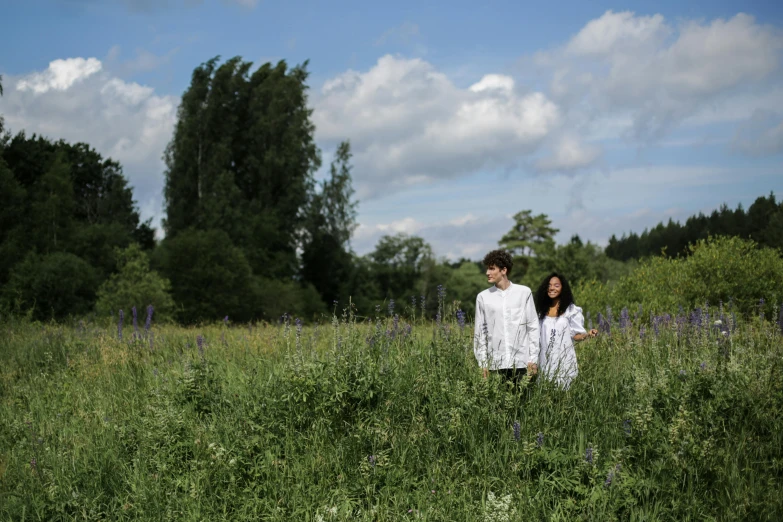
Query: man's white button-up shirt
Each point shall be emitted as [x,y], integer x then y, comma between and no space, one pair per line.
[506,329]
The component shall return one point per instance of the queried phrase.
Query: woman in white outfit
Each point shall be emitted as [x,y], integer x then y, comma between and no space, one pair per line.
[561,323]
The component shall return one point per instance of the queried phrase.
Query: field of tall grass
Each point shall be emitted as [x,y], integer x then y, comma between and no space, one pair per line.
[672,417]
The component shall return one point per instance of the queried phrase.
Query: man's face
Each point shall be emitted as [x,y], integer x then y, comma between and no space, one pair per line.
[495,274]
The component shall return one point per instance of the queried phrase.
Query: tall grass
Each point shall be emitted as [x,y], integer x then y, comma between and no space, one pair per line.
[674,419]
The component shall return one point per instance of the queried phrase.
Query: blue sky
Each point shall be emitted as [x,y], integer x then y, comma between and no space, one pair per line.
[606,117]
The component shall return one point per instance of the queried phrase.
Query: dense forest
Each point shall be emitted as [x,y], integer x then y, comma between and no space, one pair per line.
[249,234]
[763,223]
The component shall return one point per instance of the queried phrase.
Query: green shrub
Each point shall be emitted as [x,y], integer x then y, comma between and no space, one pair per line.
[135,285]
[718,269]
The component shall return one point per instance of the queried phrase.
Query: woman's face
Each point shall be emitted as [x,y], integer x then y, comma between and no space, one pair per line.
[555,287]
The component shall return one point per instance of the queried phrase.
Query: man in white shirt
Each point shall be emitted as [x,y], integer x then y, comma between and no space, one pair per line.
[506,329]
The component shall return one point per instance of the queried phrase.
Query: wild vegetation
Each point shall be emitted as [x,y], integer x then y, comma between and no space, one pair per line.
[673,417]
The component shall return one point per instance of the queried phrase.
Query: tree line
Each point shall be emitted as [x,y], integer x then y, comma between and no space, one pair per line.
[762,222]
[249,232]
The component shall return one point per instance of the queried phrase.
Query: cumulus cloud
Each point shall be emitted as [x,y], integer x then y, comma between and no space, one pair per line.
[569,154]
[76,99]
[659,73]
[467,236]
[409,124]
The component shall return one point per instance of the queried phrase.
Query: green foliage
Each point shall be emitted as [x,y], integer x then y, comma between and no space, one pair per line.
[761,223]
[577,260]
[241,160]
[210,277]
[368,421]
[135,284]
[51,286]
[529,236]
[463,285]
[60,203]
[716,269]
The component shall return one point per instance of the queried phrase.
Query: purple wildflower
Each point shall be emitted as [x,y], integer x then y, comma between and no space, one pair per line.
[423,305]
[683,373]
[408,330]
[371,459]
[225,320]
[625,319]
[461,319]
[539,439]
[200,344]
[517,434]
[148,322]
[119,325]
[609,478]
[703,366]
[589,455]
[391,306]
[33,463]
[641,332]
[441,292]
[627,427]
[135,323]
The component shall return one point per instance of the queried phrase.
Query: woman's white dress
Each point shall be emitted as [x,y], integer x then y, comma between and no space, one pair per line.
[557,357]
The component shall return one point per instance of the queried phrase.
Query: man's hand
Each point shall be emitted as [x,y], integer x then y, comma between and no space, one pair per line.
[532,369]
[484,372]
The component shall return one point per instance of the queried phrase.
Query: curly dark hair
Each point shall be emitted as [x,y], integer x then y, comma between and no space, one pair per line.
[500,259]
[543,301]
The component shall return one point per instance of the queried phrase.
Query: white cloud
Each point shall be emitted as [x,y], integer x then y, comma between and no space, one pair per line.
[659,74]
[569,154]
[410,125]
[76,99]
[60,75]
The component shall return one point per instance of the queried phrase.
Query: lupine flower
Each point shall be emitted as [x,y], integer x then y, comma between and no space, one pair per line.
[761,308]
[148,321]
[461,319]
[603,325]
[609,478]
[391,306]
[609,314]
[423,304]
[539,439]
[441,292]
[371,460]
[119,325]
[589,456]
[437,319]
[33,463]
[408,330]
[683,373]
[703,366]
[200,344]
[225,320]
[627,427]
[135,323]
[517,434]
[641,332]
[624,319]
[396,323]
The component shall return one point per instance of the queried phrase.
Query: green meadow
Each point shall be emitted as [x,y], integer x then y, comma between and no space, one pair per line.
[672,417]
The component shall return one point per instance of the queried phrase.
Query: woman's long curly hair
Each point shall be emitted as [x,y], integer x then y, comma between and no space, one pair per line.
[543,301]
